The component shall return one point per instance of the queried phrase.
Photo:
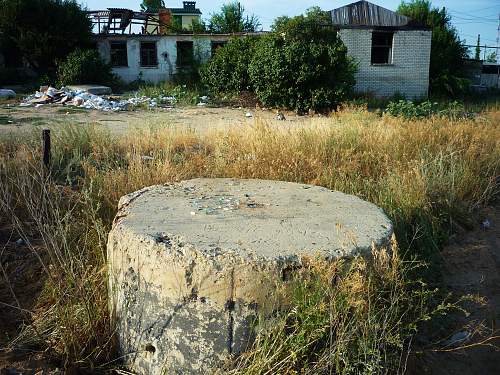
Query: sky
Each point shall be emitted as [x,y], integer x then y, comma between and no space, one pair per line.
[470,17]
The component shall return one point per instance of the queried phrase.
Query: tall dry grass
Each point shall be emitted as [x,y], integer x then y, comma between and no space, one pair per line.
[427,175]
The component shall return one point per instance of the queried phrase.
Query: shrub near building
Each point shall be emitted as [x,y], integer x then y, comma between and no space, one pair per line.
[301,65]
[84,66]
[227,71]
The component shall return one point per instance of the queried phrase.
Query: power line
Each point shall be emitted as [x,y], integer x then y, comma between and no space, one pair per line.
[468,14]
[476,19]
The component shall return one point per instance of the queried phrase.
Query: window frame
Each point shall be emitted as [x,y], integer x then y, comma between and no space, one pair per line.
[111,59]
[152,54]
[389,46]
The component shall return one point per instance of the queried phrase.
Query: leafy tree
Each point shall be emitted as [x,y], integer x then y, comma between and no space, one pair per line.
[232,19]
[40,32]
[448,52]
[491,58]
[302,64]
[227,70]
[478,48]
[152,5]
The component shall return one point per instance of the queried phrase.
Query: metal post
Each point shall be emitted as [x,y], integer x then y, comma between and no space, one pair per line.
[46,147]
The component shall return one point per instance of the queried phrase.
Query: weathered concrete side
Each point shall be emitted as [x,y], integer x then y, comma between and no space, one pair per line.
[192,264]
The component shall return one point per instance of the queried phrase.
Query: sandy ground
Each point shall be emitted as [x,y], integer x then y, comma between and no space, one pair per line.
[15,119]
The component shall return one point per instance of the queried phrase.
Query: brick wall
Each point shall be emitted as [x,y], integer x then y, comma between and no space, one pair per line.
[408,73]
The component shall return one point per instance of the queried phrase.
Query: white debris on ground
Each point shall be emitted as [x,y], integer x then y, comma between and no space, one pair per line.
[7,94]
[83,99]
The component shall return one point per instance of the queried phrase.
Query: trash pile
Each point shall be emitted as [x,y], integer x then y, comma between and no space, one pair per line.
[83,99]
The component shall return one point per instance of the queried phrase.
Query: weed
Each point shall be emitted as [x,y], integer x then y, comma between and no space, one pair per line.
[345,317]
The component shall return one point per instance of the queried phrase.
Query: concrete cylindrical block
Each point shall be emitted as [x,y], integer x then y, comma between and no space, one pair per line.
[192,264]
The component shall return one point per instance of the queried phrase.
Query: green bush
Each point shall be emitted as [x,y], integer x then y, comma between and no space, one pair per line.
[84,66]
[302,64]
[227,70]
[412,110]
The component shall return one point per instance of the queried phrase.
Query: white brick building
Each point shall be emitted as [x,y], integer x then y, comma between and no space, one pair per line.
[392,52]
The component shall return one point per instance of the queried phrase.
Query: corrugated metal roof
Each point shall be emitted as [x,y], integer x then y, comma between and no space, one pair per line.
[364,13]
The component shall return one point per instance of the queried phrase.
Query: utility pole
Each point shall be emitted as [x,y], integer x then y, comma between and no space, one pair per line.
[478,48]
[498,40]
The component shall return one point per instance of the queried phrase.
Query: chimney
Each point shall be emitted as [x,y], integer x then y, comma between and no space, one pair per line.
[189,5]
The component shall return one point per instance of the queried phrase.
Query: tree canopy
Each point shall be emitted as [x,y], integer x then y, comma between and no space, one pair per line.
[232,19]
[152,5]
[40,32]
[447,52]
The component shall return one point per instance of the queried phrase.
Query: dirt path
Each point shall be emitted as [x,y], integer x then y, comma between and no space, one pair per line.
[15,119]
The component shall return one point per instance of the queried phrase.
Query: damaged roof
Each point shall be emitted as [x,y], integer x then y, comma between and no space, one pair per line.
[363,14]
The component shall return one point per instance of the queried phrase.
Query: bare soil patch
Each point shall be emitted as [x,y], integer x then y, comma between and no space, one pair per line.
[14,118]
[472,266]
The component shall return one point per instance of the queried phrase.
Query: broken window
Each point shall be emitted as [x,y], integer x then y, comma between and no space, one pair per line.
[382,47]
[149,57]
[118,54]
[184,54]
[216,45]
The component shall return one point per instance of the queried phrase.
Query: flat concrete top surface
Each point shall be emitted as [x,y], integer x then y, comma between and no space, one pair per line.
[270,219]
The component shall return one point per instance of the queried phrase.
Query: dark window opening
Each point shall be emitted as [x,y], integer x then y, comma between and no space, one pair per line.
[382,48]
[184,54]
[149,56]
[118,54]
[216,45]
[491,69]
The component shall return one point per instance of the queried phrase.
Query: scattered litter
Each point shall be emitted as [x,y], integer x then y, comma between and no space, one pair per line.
[248,114]
[91,89]
[78,97]
[147,157]
[83,99]
[7,94]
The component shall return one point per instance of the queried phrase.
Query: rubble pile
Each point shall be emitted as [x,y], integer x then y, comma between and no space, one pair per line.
[84,99]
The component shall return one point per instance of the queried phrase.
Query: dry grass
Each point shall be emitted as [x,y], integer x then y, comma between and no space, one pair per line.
[427,175]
